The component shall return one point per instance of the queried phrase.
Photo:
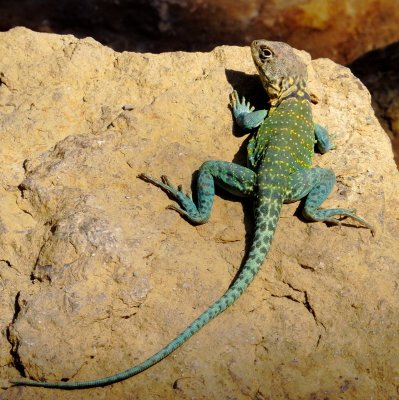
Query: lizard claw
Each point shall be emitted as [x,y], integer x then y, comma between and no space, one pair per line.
[165,180]
[332,144]
[177,209]
[145,177]
[234,99]
[334,221]
[240,106]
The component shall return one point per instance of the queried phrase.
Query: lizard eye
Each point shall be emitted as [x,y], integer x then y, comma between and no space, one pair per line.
[264,53]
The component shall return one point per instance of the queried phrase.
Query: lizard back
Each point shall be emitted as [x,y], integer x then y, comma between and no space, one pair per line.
[284,142]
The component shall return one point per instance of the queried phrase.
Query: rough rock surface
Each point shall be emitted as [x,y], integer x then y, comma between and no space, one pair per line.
[338,29]
[378,70]
[96,275]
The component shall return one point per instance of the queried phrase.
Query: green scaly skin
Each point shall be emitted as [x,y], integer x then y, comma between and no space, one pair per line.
[279,170]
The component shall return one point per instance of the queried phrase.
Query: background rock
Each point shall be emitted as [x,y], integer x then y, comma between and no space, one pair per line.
[97,275]
[338,29]
[378,70]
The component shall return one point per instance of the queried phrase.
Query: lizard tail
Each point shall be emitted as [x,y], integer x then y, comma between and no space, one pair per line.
[267,212]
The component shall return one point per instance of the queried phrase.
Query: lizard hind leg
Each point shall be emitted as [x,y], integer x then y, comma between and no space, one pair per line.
[232,177]
[316,184]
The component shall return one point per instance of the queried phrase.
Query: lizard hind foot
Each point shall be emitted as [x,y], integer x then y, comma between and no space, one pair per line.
[328,216]
[362,221]
[351,213]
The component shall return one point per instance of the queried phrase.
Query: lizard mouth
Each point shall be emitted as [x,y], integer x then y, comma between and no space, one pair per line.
[261,53]
[254,52]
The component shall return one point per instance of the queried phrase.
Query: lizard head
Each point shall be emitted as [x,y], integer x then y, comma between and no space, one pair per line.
[281,71]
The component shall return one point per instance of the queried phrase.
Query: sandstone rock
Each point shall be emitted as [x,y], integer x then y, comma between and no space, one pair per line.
[97,275]
[339,29]
[342,30]
[378,70]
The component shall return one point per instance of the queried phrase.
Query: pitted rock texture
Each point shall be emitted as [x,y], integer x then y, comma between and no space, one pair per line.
[96,275]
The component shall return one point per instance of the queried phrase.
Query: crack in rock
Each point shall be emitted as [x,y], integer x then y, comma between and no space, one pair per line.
[13,341]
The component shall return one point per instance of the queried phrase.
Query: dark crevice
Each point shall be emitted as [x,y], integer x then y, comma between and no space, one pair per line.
[7,262]
[10,265]
[306,302]
[2,82]
[25,167]
[14,344]
[292,287]
[17,307]
[128,316]
[26,212]
[22,188]
[304,266]
[308,306]
[286,296]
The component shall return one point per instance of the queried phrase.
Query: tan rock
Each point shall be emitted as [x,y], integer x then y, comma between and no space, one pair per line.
[97,275]
[378,70]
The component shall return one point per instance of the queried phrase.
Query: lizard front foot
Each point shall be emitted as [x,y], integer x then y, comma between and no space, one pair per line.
[187,206]
[240,106]
[244,113]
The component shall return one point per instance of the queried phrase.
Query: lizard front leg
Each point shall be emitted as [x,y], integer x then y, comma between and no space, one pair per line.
[323,139]
[232,177]
[247,118]
[244,113]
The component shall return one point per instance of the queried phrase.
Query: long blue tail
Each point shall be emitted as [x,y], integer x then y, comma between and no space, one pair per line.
[266,221]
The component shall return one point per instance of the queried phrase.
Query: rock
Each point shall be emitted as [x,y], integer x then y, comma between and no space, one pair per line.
[341,30]
[378,70]
[97,275]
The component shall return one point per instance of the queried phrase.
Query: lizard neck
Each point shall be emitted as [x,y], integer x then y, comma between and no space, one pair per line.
[290,93]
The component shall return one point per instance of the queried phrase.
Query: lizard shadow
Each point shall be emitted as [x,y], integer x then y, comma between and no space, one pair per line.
[249,86]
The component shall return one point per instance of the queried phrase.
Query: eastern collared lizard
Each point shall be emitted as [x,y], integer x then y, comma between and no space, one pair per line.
[279,170]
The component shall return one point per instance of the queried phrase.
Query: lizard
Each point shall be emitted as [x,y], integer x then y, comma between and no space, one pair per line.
[279,170]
